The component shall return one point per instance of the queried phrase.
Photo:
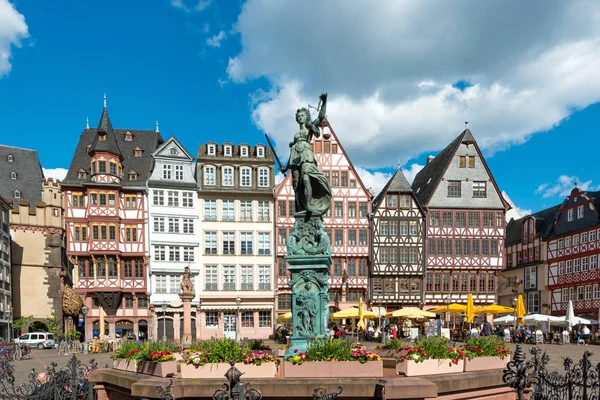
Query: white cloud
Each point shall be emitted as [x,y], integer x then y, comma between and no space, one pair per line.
[563,186]
[202,4]
[13,30]
[390,69]
[411,172]
[55,173]
[215,40]
[181,5]
[523,211]
[373,180]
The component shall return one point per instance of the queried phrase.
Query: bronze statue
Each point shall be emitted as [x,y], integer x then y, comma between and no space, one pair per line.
[186,281]
[311,187]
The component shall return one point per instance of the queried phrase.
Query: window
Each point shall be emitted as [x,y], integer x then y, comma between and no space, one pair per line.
[159,253]
[596,289]
[412,255]
[352,209]
[339,237]
[479,189]
[264,214]
[394,227]
[229,277]
[282,236]
[246,243]
[392,200]
[264,319]
[247,278]
[264,277]
[384,255]
[10,158]
[584,237]
[111,200]
[172,198]
[405,201]
[188,225]
[179,172]
[352,237]
[593,262]
[161,283]
[335,179]
[471,161]
[584,264]
[158,198]
[210,278]
[130,201]
[337,267]
[580,292]
[210,210]
[494,248]
[576,265]
[338,209]
[102,199]
[78,200]
[228,243]
[209,176]
[246,210]
[166,171]
[244,151]
[327,147]
[570,215]
[446,219]
[102,166]
[561,268]
[263,177]
[211,150]
[113,168]
[212,319]
[247,318]
[485,247]
[159,224]
[174,253]
[413,230]
[284,301]
[453,188]
[227,151]
[362,210]
[282,208]
[260,152]
[569,266]
[81,174]
[210,242]
[245,180]
[264,243]
[592,236]
[533,302]
[103,232]
[187,199]
[531,277]
[488,219]
[351,267]
[344,179]
[227,176]
[228,210]
[131,234]
[133,176]
[362,267]
[434,219]
[173,225]
[383,228]
[362,237]
[462,162]
[579,212]
[281,267]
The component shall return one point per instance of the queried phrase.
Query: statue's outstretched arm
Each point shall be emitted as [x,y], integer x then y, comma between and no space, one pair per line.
[322,112]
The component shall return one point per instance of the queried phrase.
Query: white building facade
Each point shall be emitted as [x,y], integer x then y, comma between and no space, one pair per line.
[235,206]
[173,237]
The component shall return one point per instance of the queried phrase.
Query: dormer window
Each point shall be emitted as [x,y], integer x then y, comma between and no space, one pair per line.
[102,167]
[81,174]
[133,176]
[211,150]
[10,158]
[128,136]
[260,152]
[137,152]
[13,175]
[244,151]
[17,194]
[101,136]
[88,147]
[113,168]
[227,151]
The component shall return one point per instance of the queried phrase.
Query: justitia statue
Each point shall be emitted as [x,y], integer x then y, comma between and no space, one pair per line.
[311,187]
[186,281]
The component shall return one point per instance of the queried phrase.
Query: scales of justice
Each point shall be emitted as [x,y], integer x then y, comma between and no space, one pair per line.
[308,246]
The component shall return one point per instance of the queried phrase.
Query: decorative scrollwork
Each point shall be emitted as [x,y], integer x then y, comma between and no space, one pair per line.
[236,389]
[320,393]
[520,374]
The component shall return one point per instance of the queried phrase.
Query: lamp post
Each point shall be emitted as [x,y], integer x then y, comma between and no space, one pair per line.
[515,291]
[164,310]
[69,325]
[238,301]
[8,315]
[199,318]
[447,302]
[84,311]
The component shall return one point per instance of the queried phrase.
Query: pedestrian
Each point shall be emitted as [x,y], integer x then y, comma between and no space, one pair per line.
[487,328]
[578,334]
[585,333]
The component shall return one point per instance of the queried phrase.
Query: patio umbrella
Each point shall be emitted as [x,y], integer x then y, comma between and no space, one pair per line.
[494,309]
[570,317]
[361,322]
[507,319]
[352,312]
[453,308]
[284,317]
[520,310]
[470,311]
[410,312]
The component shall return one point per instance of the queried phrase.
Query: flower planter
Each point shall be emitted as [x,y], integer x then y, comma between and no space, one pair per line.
[218,370]
[485,363]
[281,353]
[429,367]
[333,369]
[162,369]
[386,353]
[124,364]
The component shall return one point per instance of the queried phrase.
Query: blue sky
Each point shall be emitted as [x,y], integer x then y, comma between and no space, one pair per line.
[524,77]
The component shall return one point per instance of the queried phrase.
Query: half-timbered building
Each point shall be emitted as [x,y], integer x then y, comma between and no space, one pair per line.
[573,253]
[174,231]
[346,222]
[398,237]
[465,224]
[106,222]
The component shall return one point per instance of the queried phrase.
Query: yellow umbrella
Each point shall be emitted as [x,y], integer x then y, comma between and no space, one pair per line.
[470,311]
[284,317]
[453,308]
[520,310]
[361,322]
[410,312]
[353,313]
[494,309]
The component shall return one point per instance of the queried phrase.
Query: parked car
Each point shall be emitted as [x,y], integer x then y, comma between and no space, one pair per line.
[41,340]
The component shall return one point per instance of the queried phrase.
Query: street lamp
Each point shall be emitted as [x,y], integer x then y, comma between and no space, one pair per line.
[8,315]
[514,303]
[515,290]
[69,325]
[164,310]
[238,301]
[84,311]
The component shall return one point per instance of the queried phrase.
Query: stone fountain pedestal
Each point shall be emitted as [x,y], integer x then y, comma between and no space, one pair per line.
[187,298]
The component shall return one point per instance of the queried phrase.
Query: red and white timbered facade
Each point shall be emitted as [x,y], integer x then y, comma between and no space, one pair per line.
[106,221]
[347,223]
[573,243]
[465,224]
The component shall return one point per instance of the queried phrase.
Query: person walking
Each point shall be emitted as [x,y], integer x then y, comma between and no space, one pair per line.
[487,328]
[585,334]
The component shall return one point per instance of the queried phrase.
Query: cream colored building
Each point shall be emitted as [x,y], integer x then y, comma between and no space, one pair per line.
[236,241]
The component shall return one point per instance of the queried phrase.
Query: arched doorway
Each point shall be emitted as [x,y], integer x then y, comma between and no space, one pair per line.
[181,329]
[38,326]
[142,329]
[165,328]
[124,328]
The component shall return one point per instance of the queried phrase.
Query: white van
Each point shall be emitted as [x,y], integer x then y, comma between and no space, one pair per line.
[41,340]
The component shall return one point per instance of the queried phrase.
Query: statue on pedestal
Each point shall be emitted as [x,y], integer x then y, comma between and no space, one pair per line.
[186,281]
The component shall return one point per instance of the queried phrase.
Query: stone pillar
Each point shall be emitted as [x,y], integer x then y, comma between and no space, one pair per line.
[198,325]
[177,327]
[187,298]
[112,328]
[101,323]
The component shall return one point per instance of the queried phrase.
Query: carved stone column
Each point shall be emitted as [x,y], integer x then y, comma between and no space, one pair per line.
[187,298]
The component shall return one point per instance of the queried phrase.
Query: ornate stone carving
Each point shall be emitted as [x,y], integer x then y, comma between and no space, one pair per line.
[186,281]
[308,238]
[110,302]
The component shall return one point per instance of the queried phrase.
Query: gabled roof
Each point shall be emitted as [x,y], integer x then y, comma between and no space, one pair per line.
[26,165]
[574,226]
[543,221]
[396,184]
[105,127]
[172,139]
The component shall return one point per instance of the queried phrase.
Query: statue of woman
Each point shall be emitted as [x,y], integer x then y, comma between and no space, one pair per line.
[186,282]
[313,194]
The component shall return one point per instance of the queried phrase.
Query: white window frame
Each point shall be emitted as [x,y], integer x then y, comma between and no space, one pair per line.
[570,215]
[228,210]
[530,277]
[159,253]
[159,224]
[211,277]
[246,244]
[209,175]
[188,254]
[245,177]
[173,225]
[212,150]
[264,277]
[178,172]
[160,282]
[172,198]
[174,253]
[212,319]
[210,210]
[166,171]
[187,199]
[211,245]
[227,151]
[228,274]
[227,176]
[260,152]
[188,225]
[264,243]
[263,177]
[244,151]
[247,277]
[533,302]
[246,210]
[580,212]
[264,211]
[158,198]
[229,238]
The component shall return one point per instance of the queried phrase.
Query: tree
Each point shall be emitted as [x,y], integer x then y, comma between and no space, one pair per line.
[55,325]
[22,323]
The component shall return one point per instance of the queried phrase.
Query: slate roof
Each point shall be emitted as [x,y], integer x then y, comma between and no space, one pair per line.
[111,143]
[26,164]
[147,140]
[428,178]
[396,184]
[543,221]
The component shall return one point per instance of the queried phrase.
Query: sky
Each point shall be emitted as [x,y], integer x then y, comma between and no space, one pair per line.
[402,78]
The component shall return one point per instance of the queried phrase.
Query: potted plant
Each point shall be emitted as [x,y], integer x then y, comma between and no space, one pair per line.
[157,359]
[257,345]
[485,352]
[282,349]
[333,358]
[125,357]
[430,356]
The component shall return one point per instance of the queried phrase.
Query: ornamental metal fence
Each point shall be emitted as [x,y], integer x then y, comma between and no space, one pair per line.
[580,381]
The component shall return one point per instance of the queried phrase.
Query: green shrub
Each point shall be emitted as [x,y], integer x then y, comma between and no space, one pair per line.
[485,346]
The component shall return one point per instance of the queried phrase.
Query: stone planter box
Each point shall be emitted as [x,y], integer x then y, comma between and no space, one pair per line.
[162,369]
[429,367]
[281,353]
[333,369]
[485,363]
[387,353]
[218,370]
[124,365]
